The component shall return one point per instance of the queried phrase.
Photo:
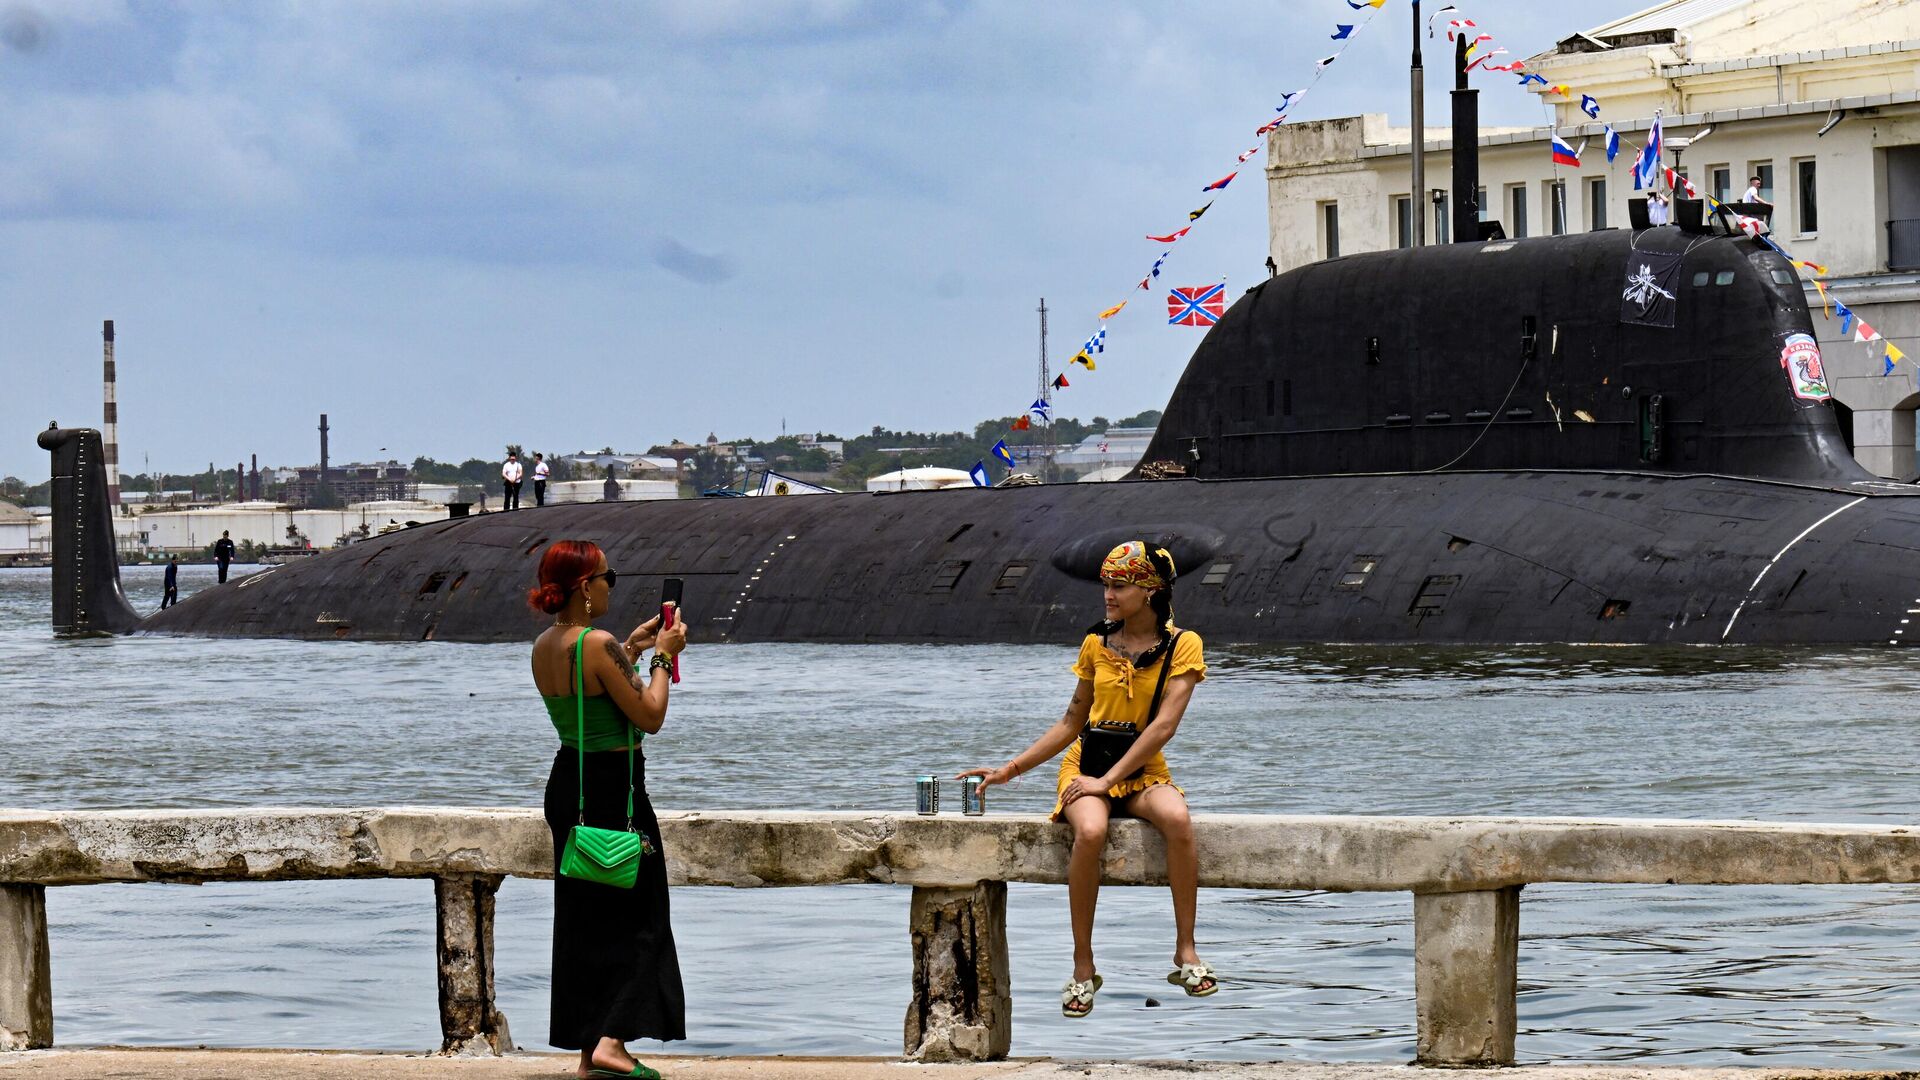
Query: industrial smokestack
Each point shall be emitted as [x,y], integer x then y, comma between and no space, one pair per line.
[253,479]
[111,422]
[1466,150]
[239,481]
[323,494]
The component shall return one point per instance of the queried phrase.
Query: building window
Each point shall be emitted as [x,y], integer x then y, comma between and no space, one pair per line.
[1596,203]
[1809,205]
[1517,210]
[1555,193]
[1763,170]
[1330,229]
[1722,185]
[1480,204]
[1403,221]
[1442,217]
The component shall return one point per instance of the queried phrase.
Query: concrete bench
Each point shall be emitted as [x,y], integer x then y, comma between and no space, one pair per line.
[1465,875]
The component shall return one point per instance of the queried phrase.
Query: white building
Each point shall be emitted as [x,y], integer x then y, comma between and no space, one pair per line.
[267,524]
[1767,76]
[16,531]
[1107,455]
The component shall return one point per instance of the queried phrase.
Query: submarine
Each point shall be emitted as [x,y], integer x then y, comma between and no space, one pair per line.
[1485,442]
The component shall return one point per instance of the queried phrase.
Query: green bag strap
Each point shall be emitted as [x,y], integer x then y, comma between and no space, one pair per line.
[580,740]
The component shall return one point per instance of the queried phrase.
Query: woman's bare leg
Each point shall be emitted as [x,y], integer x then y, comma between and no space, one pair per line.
[1166,810]
[1088,816]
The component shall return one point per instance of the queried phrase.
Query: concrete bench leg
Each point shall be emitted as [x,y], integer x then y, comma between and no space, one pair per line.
[1466,950]
[962,1006]
[470,1025]
[26,971]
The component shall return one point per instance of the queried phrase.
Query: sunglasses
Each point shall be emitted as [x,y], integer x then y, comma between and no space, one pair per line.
[611,576]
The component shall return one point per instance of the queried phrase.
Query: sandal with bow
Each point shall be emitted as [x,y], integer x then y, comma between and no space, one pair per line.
[1196,979]
[1079,994]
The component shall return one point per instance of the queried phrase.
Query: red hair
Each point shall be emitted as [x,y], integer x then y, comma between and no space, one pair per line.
[564,565]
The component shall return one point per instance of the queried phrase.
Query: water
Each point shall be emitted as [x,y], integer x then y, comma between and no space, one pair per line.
[1815,976]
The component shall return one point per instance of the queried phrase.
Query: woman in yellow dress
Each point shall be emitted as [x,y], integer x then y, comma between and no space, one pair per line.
[1137,672]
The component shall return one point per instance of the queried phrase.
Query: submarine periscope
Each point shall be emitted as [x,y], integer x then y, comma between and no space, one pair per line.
[1475,443]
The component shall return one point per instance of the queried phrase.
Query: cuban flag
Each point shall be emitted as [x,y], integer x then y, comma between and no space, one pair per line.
[1563,154]
[1004,455]
[1196,305]
[1646,167]
[979,474]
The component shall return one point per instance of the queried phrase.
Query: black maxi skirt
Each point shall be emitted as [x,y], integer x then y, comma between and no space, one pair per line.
[615,971]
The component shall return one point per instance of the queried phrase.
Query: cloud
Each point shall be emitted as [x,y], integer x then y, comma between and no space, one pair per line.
[675,257]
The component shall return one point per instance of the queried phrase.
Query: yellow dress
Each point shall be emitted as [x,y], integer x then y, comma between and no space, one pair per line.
[1121,695]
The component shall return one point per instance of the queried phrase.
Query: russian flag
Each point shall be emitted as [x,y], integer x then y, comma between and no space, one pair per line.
[1563,154]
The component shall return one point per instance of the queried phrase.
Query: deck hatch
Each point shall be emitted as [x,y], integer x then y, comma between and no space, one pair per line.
[948,575]
[1432,597]
[1011,577]
[1359,571]
[1217,574]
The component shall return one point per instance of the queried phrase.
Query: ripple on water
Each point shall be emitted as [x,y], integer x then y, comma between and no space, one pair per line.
[1816,976]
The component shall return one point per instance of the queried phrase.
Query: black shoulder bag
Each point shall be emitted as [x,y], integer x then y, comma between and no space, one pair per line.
[1101,749]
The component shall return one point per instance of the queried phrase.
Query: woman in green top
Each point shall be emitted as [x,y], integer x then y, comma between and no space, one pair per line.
[616,975]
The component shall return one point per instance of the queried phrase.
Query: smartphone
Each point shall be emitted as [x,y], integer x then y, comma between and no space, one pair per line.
[670,591]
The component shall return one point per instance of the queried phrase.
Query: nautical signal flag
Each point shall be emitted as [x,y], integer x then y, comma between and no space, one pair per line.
[1041,408]
[1559,88]
[1563,154]
[1219,185]
[1613,144]
[1021,423]
[1242,159]
[1194,215]
[1530,77]
[1171,237]
[1060,382]
[1112,311]
[979,474]
[1341,30]
[1083,359]
[1358,4]
[1196,305]
[1589,106]
[1005,455]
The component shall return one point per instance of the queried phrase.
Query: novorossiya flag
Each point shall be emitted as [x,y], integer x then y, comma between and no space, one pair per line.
[1196,305]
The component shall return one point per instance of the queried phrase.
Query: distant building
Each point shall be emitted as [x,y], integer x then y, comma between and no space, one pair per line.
[1103,453]
[386,481]
[835,449]
[1818,100]
[16,531]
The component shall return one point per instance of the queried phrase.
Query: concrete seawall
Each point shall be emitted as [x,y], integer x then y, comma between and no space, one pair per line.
[1466,875]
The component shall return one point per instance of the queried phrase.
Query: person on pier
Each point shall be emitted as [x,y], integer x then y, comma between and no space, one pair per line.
[616,974]
[1137,672]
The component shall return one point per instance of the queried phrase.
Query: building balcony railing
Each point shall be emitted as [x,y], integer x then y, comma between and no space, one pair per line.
[1903,244]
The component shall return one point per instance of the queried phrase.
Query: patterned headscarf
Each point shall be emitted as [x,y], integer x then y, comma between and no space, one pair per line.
[1129,564]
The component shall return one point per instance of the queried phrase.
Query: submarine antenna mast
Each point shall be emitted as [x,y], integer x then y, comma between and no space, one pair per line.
[1046,386]
[1417,198]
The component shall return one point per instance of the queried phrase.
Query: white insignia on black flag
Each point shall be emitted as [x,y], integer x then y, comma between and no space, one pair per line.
[1651,291]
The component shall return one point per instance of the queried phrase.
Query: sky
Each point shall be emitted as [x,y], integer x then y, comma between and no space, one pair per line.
[454,225]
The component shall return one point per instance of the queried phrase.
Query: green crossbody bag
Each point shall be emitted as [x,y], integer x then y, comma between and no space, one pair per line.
[607,856]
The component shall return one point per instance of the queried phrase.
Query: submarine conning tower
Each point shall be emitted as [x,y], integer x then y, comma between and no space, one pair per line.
[1512,354]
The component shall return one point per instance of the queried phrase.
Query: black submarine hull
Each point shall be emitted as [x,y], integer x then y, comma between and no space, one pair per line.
[1569,556]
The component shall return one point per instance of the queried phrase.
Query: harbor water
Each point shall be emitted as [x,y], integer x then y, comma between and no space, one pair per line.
[1816,976]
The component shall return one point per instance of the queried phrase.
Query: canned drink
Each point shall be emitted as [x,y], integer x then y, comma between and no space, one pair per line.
[973,800]
[927,789]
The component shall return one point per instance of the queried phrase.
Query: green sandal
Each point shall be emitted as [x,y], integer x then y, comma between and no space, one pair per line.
[640,1072]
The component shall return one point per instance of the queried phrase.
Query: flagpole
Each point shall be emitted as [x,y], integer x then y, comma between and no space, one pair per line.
[1417,201]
